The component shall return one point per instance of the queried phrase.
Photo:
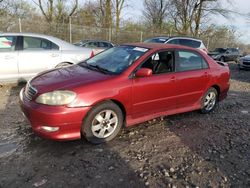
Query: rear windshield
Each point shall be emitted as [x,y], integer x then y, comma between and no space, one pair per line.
[220,50]
[156,40]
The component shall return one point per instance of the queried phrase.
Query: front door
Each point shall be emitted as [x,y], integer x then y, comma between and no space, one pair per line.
[156,93]
[8,59]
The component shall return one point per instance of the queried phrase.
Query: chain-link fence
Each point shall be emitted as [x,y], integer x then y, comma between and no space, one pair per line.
[73,33]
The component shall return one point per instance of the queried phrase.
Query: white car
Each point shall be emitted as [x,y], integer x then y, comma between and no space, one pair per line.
[23,55]
[185,41]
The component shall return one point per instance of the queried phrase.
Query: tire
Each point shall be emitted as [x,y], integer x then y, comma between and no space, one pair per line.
[61,65]
[97,127]
[208,105]
[222,59]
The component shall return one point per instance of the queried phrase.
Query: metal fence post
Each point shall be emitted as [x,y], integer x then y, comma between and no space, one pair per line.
[20,25]
[70,30]
[110,34]
[141,37]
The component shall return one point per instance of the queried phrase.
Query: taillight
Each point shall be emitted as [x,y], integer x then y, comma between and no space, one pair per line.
[92,54]
[205,50]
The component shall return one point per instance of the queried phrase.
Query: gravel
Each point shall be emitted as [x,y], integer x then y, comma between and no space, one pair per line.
[185,150]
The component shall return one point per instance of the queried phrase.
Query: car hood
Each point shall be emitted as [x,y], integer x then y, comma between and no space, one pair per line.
[247,57]
[66,78]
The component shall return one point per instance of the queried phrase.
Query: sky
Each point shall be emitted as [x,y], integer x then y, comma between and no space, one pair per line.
[239,22]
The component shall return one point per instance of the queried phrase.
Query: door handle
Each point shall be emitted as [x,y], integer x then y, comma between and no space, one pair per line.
[206,74]
[172,78]
[9,57]
[54,55]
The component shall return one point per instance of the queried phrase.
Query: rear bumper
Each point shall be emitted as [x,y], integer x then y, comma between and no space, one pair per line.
[68,120]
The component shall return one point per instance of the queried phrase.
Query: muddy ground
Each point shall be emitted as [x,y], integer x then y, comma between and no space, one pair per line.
[186,150]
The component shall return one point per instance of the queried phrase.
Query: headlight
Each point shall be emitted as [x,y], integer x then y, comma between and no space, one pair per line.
[56,98]
[241,61]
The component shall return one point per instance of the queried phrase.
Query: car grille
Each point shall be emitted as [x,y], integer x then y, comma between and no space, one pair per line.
[30,91]
[246,62]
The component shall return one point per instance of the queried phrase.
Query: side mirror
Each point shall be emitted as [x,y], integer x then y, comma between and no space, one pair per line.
[143,72]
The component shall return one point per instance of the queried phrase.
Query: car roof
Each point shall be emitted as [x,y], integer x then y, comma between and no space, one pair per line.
[64,45]
[159,46]
[171,37]
[93,40]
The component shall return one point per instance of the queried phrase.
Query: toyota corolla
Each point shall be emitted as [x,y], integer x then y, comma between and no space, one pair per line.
[122,86]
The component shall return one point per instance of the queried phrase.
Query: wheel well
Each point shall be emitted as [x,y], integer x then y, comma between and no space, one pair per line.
[118,103]
[217,89]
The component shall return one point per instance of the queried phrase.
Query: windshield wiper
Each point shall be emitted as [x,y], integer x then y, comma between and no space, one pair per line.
[95,67]
[101,69]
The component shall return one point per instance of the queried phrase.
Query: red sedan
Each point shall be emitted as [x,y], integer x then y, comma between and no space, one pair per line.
[124,85]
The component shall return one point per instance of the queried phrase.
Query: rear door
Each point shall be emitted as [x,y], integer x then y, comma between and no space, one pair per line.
[8,58]
[155,94]
[37,54]
[192,77]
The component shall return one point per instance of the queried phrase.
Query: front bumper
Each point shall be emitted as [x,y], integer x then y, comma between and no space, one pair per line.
[68,120]
[243,66]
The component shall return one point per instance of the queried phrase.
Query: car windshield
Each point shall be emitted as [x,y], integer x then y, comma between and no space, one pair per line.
[156,40]
[115,60]
[220,50]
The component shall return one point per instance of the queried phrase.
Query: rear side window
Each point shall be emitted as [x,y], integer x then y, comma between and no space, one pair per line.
[156,40]
[7,43]
[174,41]
[190,43]
[91,45]
[188,60]
[104,45]
[35,43]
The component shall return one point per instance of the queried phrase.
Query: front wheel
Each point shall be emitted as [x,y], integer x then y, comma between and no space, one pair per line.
[209,101]
[103,123]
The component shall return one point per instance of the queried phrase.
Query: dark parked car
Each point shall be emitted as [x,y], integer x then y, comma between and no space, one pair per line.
[244,62]
[225,54]
[96,45]
[185,41]
[122,86]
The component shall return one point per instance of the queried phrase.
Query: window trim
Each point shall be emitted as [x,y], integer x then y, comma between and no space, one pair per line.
[192,51]
[41,38]
[132,74]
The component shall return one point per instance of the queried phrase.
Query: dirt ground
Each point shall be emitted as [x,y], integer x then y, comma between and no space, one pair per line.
[185,150]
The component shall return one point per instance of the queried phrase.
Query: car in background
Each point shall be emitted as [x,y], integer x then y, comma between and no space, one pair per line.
[244,62]
[97,45]
[185,41]
[23,55]
[124,85]
[225,54]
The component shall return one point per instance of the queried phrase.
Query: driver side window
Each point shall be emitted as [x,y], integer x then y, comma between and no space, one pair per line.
[160,62]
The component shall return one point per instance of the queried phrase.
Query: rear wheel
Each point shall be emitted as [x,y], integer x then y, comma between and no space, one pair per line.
[209,101]
[103,123]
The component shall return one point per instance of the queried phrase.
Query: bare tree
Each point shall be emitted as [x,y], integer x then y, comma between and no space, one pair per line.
[56,9]
[155,12]
[108,13]
[188,14]
[119,5]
